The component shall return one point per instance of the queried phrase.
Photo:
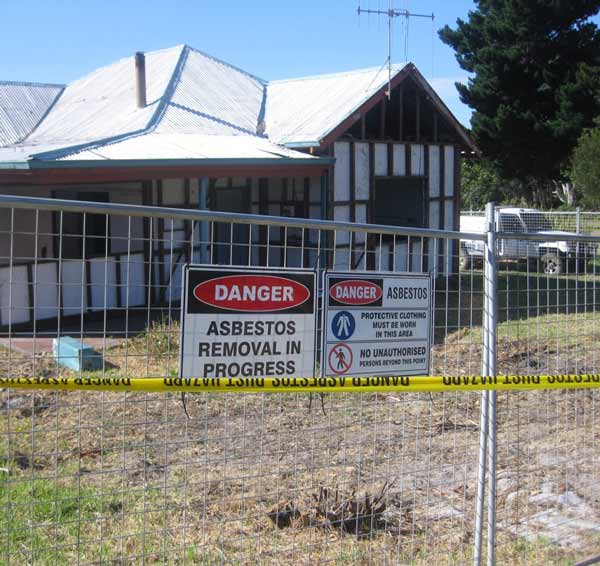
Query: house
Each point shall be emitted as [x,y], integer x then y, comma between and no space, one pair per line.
[179,128]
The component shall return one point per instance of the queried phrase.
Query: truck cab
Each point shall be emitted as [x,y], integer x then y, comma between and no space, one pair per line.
[551,256]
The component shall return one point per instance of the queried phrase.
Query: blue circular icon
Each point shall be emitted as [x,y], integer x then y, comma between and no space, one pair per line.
[343,325]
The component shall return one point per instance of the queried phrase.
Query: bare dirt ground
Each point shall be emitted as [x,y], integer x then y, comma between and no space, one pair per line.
[115,478]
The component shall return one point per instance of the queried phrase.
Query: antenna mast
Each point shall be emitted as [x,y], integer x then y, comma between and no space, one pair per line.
[392,13]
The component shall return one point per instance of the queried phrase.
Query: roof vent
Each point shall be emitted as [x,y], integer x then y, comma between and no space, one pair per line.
[140,79]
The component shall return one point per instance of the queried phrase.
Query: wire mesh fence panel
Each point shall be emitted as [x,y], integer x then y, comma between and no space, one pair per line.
[547,479]
[94,291]
[218,478]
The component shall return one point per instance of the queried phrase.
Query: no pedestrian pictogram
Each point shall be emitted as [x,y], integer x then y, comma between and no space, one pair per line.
[340,359]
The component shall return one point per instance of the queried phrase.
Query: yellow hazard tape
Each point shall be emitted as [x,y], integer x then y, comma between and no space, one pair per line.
[407,384]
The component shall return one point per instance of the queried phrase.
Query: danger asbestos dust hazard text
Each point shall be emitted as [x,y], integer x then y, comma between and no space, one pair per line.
[377,324]
[247,323]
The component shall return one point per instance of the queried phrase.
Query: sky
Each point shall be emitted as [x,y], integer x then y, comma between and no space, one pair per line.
[58,41]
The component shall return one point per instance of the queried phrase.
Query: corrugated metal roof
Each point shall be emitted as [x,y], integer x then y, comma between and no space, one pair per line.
[197,107]
[23,152]
[212,97]
[103,103]
[304,110]
[156,145]
[187,92]
[22,106]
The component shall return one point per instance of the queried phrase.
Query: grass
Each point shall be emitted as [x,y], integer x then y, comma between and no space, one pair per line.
[53,521]
[568,330]
[109,478]
[521,296]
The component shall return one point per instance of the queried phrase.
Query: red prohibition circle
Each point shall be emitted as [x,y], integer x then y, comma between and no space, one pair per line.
[335,361]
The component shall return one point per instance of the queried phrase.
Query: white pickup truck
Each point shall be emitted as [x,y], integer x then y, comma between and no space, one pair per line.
[552,257]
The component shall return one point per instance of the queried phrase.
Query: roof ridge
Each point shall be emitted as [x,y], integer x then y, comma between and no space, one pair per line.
[395,67]
[261,119]
[181,47]
[167,95]
[437,100]
[43,116]
[26,83]
[222,62]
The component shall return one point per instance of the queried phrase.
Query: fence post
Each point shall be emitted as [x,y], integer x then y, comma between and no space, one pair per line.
[483,424]
[485,395]
[490,330]
[578,220]
[487,454]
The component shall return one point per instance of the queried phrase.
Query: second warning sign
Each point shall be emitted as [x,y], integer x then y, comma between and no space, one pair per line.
[377,324]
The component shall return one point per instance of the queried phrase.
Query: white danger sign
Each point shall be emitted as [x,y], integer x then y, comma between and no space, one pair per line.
[376,324]
[247,323]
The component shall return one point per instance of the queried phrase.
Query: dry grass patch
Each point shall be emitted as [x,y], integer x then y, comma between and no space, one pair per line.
[121,476]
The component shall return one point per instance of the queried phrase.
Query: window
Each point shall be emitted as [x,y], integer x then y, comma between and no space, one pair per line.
[510,223]
[536,221]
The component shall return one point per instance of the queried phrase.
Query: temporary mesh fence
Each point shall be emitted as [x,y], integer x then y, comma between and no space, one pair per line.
[237,478]
[547,481]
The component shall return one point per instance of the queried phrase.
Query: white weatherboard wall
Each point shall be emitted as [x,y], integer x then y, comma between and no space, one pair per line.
[45,290]
[381,159]
[341,193]
[30,287]
[103,277]
[436,162]
[399,160]
[133,289]
[17,281]
[361,171]
[341,186]
[449,205]
[74,297]
[434,171]
[14,295]
[417,159]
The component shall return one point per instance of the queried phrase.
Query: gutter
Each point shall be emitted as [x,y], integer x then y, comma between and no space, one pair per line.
[35,164]
[302,144]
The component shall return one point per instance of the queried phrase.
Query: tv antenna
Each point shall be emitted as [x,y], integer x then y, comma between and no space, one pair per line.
[392,13]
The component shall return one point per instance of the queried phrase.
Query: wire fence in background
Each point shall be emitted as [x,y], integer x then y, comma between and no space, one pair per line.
[578,221]
[129,478]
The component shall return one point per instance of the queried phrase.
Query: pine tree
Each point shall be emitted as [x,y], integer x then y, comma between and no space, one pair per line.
[535,83]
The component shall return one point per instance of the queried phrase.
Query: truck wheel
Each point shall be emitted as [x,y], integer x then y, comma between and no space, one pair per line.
[464,260]
[552,264]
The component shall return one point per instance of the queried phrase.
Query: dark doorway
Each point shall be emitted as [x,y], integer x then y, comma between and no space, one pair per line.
[400,201]
[75,243]
[231,242]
